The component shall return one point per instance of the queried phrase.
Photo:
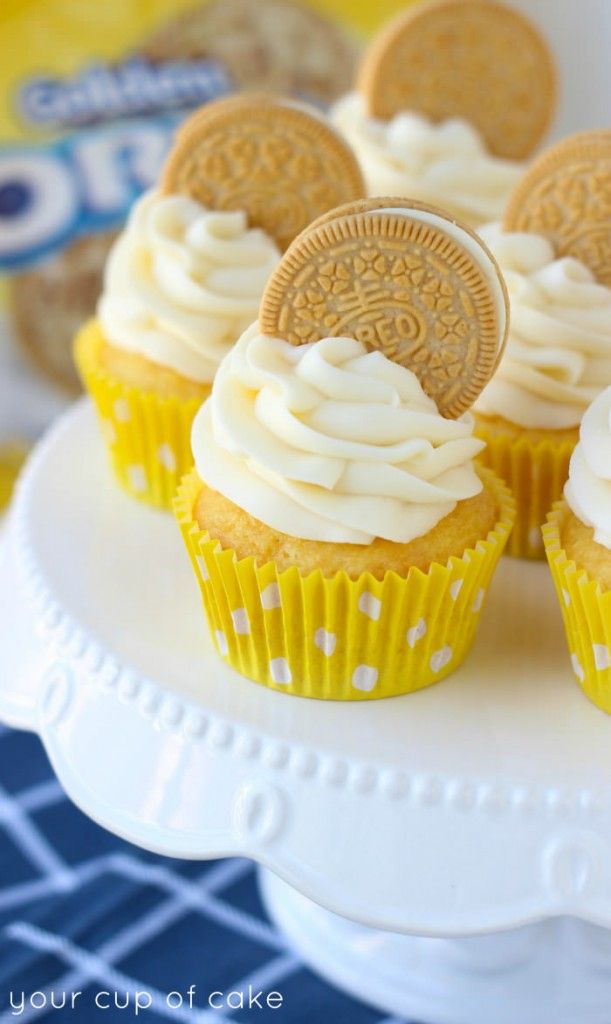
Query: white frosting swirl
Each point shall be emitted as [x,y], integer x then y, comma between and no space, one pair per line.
[558,354]
[328,442]
[183,282]
[588,489]
[444,164]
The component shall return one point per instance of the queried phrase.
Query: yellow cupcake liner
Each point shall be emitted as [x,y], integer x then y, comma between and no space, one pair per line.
[586,611]
[535,474]
[337,638]
[148,437]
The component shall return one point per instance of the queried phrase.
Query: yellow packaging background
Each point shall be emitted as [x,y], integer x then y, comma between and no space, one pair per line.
[59,36]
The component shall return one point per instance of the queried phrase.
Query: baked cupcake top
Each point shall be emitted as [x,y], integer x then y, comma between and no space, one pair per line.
[183,282]
[446,163]
[588,489]
[388,313]
[329,442]
[245,176]
[558,352]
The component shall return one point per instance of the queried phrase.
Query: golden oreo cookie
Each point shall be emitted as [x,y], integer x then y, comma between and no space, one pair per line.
[403,279]
[566,196]
[278,160]
[475,59]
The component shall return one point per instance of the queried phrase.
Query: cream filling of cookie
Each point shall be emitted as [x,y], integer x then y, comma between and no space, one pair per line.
[444,164]
[329,442]
[558,354]
[588,489]
[478,253]
[183,282]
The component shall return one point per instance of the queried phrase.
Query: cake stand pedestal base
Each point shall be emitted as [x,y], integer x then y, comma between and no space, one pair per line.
[553,972]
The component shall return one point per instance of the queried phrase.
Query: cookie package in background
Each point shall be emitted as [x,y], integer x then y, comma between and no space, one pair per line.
[90,96]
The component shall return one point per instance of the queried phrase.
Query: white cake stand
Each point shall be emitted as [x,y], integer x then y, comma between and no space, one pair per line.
[462,833]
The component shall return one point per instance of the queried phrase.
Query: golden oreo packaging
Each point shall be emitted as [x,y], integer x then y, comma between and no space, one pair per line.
[90,95]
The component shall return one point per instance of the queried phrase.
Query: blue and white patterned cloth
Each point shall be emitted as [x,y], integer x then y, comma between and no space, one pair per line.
[82,911]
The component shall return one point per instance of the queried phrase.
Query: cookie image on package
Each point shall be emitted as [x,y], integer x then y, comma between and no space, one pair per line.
[48,304]
[566,196]
[276,45]
[475,59]
[403,279]
[278,160]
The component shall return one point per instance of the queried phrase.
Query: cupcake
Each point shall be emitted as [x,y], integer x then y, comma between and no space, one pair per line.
[578,546]
[558,355]
[185,277]
[451,98]
[341,534]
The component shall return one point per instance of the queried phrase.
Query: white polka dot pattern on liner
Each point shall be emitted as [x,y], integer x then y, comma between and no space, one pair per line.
[577,669]
[441,658]
[280,671]
[167,458]
[602,657]
[203,568]
[370,605]
[325,641]
[221,641]
[479,600]
[241,622]
[455,588]
[270,596]
[416,633]
[535,539]
[137,478]
[121,410]
[364,678]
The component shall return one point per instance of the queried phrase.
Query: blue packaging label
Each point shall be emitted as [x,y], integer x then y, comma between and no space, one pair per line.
[87,181]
